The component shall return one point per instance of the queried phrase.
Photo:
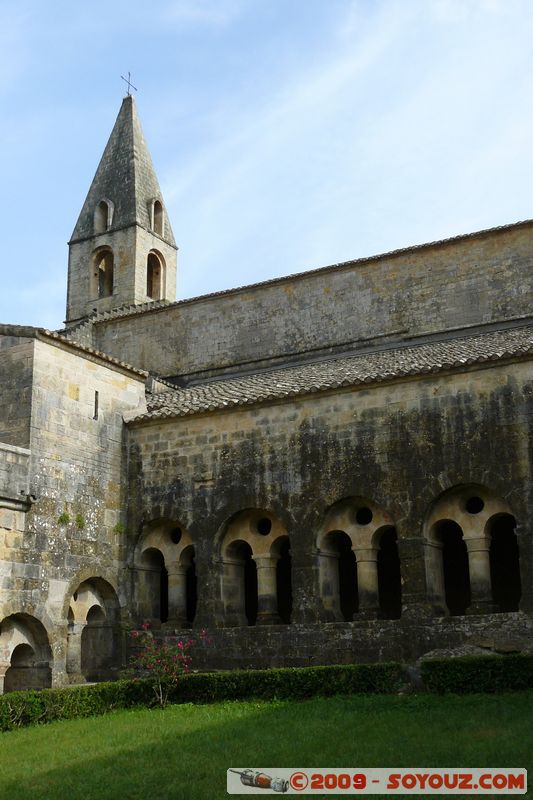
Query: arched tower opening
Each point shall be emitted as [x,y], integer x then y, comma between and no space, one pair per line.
[103,272]
[155,276]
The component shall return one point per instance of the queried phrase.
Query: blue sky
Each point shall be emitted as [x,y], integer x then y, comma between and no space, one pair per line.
[286,134]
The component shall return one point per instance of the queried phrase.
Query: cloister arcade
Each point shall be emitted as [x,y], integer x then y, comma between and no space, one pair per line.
[471,567]
[166,574]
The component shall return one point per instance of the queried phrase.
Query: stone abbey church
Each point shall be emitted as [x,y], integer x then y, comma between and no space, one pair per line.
[331,467]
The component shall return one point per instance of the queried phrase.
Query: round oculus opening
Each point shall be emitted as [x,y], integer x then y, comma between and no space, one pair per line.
[474,505]
[363,516]
[264,526]
[175,535]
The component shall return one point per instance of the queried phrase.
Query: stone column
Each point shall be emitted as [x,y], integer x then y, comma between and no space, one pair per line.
[177,596]
[367,582]
[306,600]
[233,596]
[479,566]
[267,595]
[73,666]
[328,572]
[144,593]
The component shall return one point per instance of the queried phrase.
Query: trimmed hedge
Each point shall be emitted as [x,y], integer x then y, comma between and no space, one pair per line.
[18,709]
[295,683]
[487,674]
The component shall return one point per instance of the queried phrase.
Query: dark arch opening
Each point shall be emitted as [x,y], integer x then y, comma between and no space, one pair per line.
[104,273]
[101,217]
[455,567]
[347,574]
[505,564]
[154,277]
[284,581]
[389,576]
[158,218]
[243,551]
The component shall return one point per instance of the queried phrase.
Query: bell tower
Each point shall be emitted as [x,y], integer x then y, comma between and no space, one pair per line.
[122,250]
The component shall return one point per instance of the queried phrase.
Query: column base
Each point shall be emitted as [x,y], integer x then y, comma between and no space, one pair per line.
[366,614]
[268,618]
[481,607]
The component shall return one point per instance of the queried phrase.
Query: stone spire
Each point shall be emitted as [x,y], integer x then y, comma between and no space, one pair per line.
[126,177]
[122,250]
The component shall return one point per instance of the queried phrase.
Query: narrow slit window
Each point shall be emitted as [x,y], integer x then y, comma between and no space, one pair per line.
[95,415]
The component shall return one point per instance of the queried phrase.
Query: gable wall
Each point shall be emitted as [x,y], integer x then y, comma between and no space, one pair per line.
[478,280]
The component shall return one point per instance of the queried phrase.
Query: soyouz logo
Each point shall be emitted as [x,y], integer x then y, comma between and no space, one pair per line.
[423,780]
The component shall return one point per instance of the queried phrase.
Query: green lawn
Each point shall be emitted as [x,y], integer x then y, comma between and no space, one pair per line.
[183,752]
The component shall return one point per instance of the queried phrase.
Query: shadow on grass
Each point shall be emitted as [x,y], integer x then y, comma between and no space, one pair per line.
[184,751]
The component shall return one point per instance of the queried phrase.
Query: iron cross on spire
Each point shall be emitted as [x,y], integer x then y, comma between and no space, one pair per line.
[130,84]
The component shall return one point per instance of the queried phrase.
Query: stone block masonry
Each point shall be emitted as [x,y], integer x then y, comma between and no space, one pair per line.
[409,296]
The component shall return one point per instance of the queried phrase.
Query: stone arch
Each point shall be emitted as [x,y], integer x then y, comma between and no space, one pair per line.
[348,546]
[252,543]
[155,275]
[103,216]
[102,272]
[158,217]
[457,533]
[166,584]
[25,654]
[94,646]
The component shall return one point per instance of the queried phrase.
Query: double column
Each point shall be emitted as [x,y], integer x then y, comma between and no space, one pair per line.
[367,581]
[267,593]
[177,596]
[478,548]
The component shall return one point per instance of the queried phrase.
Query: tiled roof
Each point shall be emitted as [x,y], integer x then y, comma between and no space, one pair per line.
[367,368]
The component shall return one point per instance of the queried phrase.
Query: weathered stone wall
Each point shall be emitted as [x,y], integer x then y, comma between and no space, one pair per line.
[16,365]
[404,640]
[473,281]
[76,473]
[399,445]
[14,473]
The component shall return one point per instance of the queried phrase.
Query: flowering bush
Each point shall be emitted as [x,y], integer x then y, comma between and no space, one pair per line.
[162,663]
